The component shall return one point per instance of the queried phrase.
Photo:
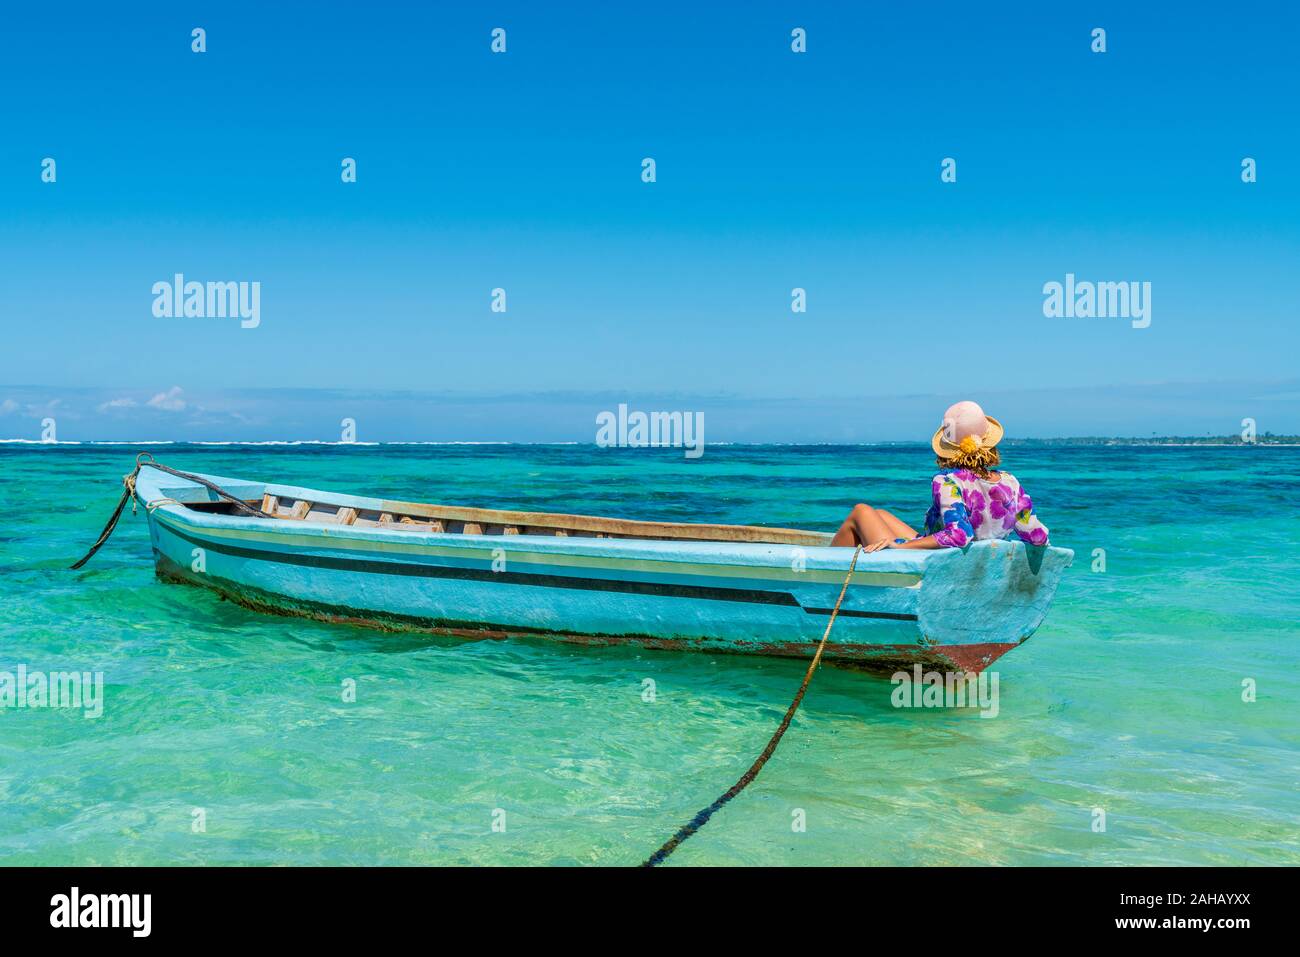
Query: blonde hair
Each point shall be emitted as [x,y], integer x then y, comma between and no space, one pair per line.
[977,460]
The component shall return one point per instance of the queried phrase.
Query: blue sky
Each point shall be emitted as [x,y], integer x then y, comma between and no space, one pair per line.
[522,171]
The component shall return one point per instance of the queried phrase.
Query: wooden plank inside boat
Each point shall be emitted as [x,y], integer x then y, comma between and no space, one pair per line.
[553,523]
[423,517]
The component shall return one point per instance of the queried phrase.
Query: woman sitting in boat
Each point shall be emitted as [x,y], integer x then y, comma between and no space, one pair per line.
[970,500]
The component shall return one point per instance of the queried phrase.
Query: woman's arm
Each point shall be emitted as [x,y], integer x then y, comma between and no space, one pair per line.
[926,542]
[1028,527]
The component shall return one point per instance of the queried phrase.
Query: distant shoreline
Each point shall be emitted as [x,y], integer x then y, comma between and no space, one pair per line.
[1167,440]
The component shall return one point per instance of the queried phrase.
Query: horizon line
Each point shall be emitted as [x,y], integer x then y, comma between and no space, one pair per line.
[1170,440]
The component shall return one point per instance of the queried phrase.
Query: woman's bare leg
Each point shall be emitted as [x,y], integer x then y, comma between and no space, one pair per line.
[845,536]
[897,526]
[865,526]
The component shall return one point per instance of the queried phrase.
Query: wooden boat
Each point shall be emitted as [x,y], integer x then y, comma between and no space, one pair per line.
[487,573]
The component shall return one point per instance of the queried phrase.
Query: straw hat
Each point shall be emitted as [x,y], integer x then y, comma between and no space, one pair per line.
[965,429]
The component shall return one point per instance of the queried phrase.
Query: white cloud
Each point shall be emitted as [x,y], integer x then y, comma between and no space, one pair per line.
[169,401]
[8,406]
[111,404]
[48,408]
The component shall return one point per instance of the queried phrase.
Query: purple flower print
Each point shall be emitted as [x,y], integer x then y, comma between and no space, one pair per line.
[1029,528]
[1002,505]
[951,537]
[975,503]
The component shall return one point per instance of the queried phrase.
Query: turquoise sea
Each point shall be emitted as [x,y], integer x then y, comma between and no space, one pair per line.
[1128,700]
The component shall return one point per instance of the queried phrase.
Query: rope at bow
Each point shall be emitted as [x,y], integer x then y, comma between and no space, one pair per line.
[146,460]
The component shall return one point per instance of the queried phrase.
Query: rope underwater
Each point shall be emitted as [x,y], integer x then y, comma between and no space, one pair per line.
[702,818]
[128,494]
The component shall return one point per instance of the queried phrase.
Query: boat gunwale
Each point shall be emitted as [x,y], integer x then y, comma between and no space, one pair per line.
[734,559]
[742,557]
[622,527]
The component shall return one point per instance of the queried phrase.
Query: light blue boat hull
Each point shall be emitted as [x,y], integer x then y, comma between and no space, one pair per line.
[954,609]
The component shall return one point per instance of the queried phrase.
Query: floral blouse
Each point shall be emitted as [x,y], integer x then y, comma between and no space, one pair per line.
[968,508]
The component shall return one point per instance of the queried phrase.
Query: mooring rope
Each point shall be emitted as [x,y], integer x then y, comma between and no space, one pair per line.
[145,459]
[697,822]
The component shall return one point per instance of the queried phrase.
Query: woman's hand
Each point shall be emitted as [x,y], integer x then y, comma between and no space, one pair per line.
[877,546]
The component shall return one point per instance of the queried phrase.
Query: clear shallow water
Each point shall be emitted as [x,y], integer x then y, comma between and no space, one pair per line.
[1128,699]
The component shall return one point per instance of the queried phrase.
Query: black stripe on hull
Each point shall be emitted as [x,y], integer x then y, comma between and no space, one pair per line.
[415,570]
[851,613]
